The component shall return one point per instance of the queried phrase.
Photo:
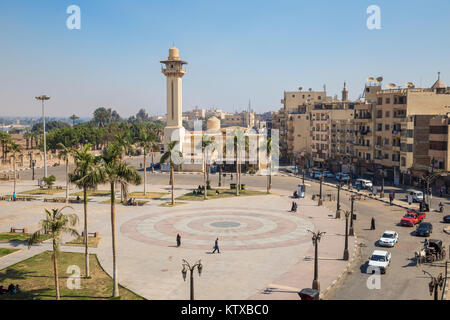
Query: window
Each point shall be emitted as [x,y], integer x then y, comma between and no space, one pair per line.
[380,101]
[388,114]
[368,156]
[319,98]
[379,127]
[386,127]
[386,156]
[293,96]
[388,100]
[403,162]
[379,114]
[386,142]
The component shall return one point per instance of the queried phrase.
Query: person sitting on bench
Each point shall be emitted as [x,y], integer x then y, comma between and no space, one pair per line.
[217,192]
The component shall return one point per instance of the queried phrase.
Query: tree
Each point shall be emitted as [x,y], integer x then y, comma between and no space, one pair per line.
[147,141]
[86,175]
[49,181]
[15,149]
[56,223]
[172,156]
[116,171]
[64,154]
[5,140]
[239,141]
[74,118]
[269,163]
[206,144]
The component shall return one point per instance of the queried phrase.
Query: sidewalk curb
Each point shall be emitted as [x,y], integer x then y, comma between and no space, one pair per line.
[340,277]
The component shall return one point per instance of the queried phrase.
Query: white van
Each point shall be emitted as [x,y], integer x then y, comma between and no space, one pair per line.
[417,196]
[365,184]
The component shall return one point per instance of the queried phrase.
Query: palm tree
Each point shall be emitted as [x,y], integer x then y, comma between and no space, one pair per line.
[56,223]
[64,154]
[172,156]
[14,148]
[115,171]
[147,141]
[74,118]
[239,140]
[86,175]
[206,144]
[269,163]
[5,139]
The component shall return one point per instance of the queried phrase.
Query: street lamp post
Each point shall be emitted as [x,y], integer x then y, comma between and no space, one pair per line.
[346,255]
[435,284]
[316,239]
[338,206]
[44,98]
[351,232]
[303,178]
[187,267]
[382,184]
[320,195]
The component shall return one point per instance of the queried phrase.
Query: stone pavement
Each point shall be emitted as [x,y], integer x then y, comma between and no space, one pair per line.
[266,251]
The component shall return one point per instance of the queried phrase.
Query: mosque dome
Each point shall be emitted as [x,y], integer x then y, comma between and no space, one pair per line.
[213,124]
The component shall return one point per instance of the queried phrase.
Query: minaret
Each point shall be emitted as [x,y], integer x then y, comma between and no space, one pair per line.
[173,70]
[345,93]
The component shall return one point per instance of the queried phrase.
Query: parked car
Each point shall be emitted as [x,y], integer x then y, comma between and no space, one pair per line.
[328,174]
[412,218]
[388,239]
[417,196]
[424,229]
[365,184]
[318,174]
[446,219]
[342,177]
[379,259]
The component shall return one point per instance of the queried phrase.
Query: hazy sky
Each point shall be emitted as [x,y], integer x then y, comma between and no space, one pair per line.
[237,50]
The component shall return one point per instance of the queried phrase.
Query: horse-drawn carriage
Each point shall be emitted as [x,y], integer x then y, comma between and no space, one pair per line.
[433,251]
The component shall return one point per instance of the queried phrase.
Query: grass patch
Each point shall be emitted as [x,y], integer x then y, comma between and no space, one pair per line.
[5,251]
[79,242]
[223,193]
[20,197]
[20,237]
[43,191]
[36,280]
[169,204]
[149,195]
[93,193]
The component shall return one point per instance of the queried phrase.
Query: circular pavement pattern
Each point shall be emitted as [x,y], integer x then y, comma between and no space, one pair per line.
[236,228]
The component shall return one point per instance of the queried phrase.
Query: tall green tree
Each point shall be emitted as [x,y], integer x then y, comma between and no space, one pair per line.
[86,176]
[239,142]
[116,171]
[173,157]
[56,223]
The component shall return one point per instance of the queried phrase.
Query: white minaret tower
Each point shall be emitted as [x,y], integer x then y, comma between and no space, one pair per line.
[173,70]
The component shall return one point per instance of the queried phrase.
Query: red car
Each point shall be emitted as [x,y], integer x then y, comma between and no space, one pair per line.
[412,218]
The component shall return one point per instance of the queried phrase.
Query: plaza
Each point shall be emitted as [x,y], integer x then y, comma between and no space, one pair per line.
[266,251]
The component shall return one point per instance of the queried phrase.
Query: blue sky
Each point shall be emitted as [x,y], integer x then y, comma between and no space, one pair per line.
[237,50]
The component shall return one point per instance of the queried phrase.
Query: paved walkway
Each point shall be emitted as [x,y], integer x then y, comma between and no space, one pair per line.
[266,251]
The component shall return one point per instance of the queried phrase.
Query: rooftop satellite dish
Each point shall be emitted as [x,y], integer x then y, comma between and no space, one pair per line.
[391,86]
[370,79]
[380,79]
[410,85]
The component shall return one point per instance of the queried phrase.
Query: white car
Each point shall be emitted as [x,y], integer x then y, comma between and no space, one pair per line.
[416,196]
[365,184]
[379,260]
[388,239]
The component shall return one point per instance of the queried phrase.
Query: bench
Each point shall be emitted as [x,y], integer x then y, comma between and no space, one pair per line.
[90,234]
[18,230]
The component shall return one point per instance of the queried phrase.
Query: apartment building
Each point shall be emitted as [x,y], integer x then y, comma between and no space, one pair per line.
[244,119]
[402,119]
[439,142]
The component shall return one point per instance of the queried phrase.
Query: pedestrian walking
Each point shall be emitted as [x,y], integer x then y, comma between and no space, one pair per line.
[231,176]
[14,196]
[178,240]
[391,198]
[216,246]
[372,224]
[441,191]
[409,199]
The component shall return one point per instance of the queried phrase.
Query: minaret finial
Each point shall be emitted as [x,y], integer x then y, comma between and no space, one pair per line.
[439,75]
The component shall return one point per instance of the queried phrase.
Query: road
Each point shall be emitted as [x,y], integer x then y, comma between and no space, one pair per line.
[403,280]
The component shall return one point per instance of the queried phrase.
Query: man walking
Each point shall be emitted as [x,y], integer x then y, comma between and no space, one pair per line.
[391,198]
[216,246]
[372,224]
